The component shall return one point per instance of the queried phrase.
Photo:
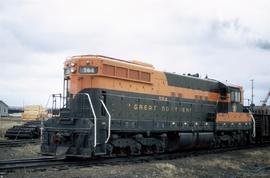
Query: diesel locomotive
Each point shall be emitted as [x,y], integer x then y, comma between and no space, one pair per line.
[113,106]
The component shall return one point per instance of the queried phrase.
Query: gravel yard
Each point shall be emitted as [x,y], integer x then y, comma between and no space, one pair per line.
[244,163]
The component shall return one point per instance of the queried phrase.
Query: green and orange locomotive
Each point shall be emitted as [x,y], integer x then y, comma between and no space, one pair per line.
[114,106]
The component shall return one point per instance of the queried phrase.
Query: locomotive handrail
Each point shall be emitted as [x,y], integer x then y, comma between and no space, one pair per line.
[109,121]
[95,118]
[51,110]
[254,124]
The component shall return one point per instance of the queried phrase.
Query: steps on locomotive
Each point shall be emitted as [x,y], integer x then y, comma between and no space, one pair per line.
[29,130]
[100,150]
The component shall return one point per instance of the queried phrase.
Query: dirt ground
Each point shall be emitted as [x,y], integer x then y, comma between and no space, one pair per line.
[26,151]
[245,163]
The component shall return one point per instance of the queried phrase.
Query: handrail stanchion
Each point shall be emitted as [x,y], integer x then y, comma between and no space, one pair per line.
[109,121]
[95,118]
[254,124]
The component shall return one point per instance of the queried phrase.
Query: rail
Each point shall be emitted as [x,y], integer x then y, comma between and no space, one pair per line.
[14,143]
[30,163]
[109,121]
[8,165]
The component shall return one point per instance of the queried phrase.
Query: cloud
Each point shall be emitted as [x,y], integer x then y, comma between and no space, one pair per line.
[263,44]
[224,39]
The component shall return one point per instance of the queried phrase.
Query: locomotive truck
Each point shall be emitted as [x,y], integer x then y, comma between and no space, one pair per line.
[112,106]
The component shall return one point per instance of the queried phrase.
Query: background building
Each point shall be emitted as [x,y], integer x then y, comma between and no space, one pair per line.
[3,109]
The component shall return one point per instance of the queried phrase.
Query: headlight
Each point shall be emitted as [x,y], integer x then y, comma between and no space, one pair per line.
[72,64]
[88,70]
[72,69]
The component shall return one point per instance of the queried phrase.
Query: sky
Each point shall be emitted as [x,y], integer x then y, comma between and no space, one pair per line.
[227,40]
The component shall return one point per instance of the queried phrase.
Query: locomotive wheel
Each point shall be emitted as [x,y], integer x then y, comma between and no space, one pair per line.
[124,146]
[135,149]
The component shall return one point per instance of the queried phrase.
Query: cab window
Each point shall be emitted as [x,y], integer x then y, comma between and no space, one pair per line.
[235,96]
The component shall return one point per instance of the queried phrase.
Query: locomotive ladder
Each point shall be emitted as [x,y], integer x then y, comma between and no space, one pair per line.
[95,119]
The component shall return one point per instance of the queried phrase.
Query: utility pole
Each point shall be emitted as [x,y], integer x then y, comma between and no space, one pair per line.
[248,101]
[252,93]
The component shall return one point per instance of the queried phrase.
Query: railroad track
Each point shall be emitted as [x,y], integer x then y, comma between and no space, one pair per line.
[13,143]
[46,162]
[30,163]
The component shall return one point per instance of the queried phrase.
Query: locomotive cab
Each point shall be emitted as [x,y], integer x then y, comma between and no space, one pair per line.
[231,99]
[231,118]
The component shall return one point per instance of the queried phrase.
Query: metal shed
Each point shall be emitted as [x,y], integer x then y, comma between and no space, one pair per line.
[3,109]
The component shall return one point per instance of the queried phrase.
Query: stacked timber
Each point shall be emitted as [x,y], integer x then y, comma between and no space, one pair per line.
[34,112]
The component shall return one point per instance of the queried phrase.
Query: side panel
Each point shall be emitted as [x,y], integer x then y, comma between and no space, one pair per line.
[140,112]
[233,121]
